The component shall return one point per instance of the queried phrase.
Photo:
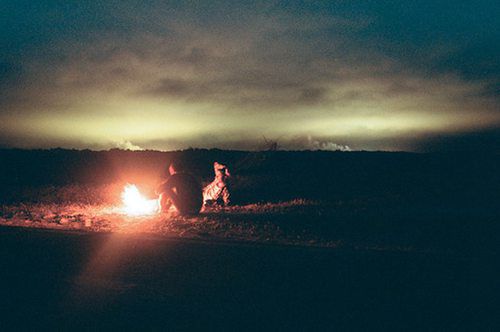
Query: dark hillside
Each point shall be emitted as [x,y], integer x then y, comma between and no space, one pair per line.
[444,180]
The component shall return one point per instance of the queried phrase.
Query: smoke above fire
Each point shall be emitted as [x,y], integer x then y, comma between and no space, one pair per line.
[326,145]
[127,145]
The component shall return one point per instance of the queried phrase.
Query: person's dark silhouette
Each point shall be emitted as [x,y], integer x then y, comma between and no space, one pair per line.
[181,190]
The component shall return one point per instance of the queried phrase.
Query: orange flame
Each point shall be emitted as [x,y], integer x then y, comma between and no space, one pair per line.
[135,204]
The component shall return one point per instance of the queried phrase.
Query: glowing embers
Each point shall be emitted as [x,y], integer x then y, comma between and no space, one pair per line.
[135,204]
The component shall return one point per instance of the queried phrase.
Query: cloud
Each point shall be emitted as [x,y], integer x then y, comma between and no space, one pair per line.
[127,145]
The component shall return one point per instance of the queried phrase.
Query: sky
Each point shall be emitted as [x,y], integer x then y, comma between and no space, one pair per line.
[333,75]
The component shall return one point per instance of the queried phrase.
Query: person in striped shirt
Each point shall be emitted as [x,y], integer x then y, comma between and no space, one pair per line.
[217,193]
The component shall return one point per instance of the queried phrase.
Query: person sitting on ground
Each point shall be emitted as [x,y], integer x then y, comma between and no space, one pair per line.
[180,190]
[217,193]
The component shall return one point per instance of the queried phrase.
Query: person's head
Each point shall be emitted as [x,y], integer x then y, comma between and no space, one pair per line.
[171,169]
[174,167]
[221,171]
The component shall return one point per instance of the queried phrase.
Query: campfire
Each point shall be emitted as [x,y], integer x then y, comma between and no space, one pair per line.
[135,204]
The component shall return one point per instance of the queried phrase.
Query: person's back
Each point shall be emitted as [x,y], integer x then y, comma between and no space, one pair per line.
[189,198]
[184,192]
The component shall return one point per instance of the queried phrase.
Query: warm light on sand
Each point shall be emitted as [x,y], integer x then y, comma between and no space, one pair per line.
[135,204]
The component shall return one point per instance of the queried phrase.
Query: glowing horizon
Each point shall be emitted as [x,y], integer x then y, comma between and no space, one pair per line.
[391,77]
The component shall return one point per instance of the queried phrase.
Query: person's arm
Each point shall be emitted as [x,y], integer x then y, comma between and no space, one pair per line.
[159,188]
[163,187]
[226,196]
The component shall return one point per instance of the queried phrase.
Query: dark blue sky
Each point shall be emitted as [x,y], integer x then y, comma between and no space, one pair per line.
[374,75]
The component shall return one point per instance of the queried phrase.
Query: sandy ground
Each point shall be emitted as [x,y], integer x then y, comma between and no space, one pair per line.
[297,223]
[262,223]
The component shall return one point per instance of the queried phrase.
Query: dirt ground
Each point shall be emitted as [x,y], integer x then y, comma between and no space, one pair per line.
[348,225]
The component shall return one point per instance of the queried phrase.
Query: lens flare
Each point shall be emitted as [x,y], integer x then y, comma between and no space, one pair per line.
[135,204]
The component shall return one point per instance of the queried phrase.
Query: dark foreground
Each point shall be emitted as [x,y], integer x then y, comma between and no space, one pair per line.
[64,280]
